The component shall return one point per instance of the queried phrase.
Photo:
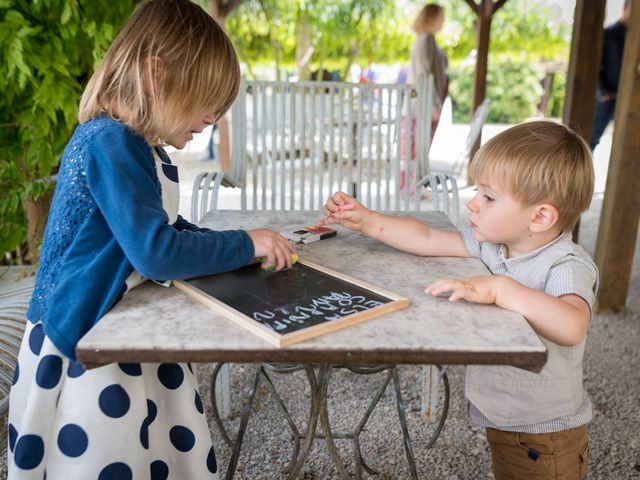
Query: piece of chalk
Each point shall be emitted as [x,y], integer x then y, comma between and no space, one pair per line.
[346,206]
[294,260]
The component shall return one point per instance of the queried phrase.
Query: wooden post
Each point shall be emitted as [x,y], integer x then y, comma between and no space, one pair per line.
[584,65]
[618,229]
[484,12]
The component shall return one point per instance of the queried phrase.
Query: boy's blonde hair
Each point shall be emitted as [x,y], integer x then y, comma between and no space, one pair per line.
[427,19]
[540,162]
[168,62]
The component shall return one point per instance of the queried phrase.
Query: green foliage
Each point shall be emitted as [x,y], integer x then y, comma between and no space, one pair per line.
[264,31]
[48,50]
[523,38]
[513,87]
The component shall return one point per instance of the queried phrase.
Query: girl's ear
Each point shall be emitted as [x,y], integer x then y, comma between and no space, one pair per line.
[152,73]
[546,216]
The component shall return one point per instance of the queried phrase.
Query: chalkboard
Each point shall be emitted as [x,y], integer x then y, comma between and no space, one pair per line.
[291,305]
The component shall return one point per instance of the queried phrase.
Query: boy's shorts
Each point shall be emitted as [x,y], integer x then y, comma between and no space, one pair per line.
[560,455]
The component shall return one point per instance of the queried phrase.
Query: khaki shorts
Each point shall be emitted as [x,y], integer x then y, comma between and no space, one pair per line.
[559,455]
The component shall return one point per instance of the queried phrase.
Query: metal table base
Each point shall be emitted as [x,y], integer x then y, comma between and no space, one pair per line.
[319,385]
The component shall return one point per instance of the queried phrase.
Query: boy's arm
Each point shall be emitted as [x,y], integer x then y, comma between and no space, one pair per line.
[562,320]
[403,233]
[413,236]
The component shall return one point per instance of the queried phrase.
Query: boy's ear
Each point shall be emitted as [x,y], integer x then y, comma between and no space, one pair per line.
[546,216]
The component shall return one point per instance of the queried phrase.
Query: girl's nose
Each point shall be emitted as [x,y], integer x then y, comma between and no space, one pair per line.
[472,205]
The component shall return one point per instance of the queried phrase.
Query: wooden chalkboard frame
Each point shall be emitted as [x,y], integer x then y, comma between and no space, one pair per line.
[396,302]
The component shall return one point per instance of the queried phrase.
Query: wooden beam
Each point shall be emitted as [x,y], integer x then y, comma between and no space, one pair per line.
[472,5]
[618,229]
[584,65]
[484,14]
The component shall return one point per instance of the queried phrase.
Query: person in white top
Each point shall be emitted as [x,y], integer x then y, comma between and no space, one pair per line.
[534,180]
[427,58]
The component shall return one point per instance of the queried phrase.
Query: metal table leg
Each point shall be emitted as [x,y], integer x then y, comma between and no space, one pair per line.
[319,410]
[297,461]
[233,462]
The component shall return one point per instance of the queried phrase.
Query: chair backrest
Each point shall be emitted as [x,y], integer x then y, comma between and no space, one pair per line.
[478,120]
[293,144]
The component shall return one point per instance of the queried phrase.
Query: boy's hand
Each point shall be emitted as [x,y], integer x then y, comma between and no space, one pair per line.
[273,246]
[346,211]
[483,289]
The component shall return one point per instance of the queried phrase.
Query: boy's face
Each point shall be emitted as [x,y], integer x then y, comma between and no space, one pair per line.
[497,217]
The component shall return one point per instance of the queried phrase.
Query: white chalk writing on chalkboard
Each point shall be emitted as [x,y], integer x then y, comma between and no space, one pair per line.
[332,306]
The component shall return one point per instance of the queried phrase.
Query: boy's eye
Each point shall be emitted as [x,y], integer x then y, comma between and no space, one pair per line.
[488,198]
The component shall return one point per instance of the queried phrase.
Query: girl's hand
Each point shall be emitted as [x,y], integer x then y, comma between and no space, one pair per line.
[272,245]
[346,211]
[483,289]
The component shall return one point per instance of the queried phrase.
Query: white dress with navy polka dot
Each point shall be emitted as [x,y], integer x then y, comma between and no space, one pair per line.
[118,421]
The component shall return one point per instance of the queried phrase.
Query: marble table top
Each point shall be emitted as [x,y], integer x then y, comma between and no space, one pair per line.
[159,324]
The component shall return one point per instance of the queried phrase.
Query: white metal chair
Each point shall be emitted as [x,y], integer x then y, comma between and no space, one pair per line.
[294,144]
[456,167]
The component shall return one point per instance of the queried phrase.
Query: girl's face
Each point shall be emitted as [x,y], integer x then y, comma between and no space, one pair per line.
[196,124]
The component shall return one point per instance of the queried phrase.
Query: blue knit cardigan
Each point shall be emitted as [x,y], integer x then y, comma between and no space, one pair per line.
[106,220]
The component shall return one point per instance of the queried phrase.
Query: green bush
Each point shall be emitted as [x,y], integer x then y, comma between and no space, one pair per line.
[512,86]
[48,50]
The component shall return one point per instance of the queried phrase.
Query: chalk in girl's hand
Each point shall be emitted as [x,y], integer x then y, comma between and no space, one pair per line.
[294,260]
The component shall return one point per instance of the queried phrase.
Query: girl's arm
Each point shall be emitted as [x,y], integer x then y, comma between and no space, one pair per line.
[563,320]
[406,234]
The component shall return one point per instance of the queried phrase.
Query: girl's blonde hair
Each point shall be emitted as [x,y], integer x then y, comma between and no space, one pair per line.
[540,162]
[168,62]
[427,19]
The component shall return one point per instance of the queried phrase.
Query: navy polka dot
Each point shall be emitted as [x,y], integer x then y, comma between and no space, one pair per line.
[131,369]
[29,452]
[212,465]
[144,428]
[116,471]
[114,401]
[72,440]
[13,434]
[144,434]
[182,438]
[75,369]
[159,470]
[199,403]
[170,375]
[153,411]
[16,374]
[36,338]
[170,171]
[49,371]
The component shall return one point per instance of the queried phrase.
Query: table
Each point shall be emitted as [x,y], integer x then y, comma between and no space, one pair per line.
[159,324]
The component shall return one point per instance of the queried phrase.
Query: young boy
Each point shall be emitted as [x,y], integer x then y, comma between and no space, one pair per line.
[533,182]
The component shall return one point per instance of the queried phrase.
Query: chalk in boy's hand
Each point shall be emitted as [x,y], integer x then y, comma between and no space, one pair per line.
[344,210]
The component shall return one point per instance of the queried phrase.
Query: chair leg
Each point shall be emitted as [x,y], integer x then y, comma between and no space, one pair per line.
[429,395]
[223,391]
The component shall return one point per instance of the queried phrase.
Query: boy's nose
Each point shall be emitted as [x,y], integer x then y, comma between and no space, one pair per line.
[471,205]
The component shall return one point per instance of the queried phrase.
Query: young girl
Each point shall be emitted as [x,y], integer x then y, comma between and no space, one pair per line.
[113,223]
